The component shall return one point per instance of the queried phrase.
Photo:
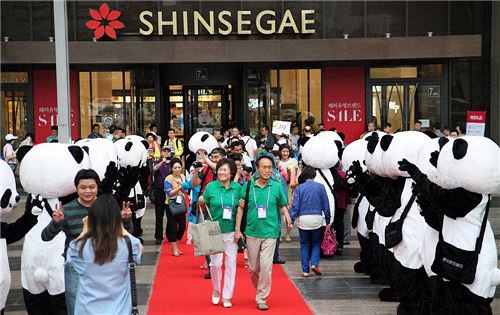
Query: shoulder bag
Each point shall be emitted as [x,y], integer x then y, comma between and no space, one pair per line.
[454,263]
[394,230]
[176,208]
[131,268]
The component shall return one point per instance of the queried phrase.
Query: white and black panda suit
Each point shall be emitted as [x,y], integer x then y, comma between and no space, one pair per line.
[463,211]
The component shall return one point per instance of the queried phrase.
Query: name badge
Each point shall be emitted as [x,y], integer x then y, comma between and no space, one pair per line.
[261,212]
[178,199]
[227,213]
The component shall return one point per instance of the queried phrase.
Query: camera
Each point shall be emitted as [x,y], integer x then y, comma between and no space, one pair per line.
[197,164]
[247,169]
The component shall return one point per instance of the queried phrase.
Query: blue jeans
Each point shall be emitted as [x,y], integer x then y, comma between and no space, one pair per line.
[71,279]
[310,243]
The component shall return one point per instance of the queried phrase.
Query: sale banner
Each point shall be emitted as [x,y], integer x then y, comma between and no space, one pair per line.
[344,100]
[45,103]
[476,123]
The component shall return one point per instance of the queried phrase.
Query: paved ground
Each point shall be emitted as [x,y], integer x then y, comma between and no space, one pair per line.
[338,291]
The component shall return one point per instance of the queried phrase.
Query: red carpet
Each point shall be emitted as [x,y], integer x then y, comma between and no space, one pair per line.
[179,288]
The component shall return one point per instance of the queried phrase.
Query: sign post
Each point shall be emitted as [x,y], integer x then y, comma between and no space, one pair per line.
[476,121]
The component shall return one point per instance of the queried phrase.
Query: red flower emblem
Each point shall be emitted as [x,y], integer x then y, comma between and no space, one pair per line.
[105,21]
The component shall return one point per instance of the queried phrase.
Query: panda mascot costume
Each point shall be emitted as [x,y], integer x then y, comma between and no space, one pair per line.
[47,170]
[132,155]
[465,261]
[13,232]
[404,233]
[322,153]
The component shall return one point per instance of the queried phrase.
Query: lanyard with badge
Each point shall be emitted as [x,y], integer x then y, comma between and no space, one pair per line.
[262,209]
[227,211]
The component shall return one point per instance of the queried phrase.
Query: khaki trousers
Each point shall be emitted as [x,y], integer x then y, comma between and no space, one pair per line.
[260,261]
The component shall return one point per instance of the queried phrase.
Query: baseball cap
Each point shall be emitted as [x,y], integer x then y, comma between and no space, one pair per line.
[10,136]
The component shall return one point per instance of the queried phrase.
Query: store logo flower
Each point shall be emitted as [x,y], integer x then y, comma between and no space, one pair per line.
[104,21]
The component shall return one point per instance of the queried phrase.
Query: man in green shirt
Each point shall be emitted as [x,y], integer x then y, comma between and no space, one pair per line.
[265,201]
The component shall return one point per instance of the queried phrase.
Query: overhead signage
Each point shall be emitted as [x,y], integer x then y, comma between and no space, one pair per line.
[476,122]
[225,22]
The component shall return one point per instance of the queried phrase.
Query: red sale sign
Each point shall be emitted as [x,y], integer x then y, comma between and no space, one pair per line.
[476,123]
[344,100]
[45,103]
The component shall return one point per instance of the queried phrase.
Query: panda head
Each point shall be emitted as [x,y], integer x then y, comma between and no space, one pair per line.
[470,162]
[101,152]
[354,151]
[202,140]
[49,169]
[8,193]
[373,154]
[132,151]
[402,145]
[426,158]
[322,150]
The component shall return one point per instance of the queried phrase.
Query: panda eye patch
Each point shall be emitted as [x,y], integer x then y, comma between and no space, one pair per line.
[6,198]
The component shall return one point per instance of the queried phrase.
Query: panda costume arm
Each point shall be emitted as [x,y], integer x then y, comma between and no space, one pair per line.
[13,232]
[454,203]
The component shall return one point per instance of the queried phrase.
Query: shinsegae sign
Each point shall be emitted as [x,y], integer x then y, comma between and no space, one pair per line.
[225,22]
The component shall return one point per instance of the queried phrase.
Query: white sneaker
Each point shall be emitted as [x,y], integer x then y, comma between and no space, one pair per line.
[215,300]
[226,303]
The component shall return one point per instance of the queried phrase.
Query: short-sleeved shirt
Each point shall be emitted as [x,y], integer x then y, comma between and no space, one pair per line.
[217,196]
[258,197]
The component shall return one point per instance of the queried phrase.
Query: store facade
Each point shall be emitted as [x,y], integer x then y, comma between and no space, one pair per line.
[201,65]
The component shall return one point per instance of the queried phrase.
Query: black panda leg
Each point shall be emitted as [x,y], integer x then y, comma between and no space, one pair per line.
[389,269]
[425,292]
[406,284]
[37,304]
[363,265]
[376,275]
[58,304]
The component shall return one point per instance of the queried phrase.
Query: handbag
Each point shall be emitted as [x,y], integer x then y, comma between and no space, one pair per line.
[329,243]
[177,208]
[207,237]
[131,268]
[455,263]
[394,230]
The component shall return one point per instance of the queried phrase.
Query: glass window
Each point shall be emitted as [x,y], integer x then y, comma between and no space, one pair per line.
[385,17]
[16,20]
[425,103]
[14,77]
[427,16]
[13,114]
[315,100]
[467,17]
[42,19]
[460,91]
[343,17]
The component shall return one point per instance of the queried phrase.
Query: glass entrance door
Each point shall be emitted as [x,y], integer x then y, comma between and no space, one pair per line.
[206,108]
[14,118]
[401,104]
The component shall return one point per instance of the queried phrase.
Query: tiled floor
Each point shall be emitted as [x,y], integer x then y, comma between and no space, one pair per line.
[339,291]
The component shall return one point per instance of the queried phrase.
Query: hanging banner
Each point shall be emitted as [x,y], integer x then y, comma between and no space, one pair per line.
[344,100]
[476,122]
[45,103]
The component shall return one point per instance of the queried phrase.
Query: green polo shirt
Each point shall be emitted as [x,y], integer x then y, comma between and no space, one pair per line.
[258,196]
[216,197]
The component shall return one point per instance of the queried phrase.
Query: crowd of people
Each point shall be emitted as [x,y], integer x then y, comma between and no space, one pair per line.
[253,187]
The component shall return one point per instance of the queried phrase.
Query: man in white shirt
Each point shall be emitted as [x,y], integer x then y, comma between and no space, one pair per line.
[250,145]
[237,147]
[235,133]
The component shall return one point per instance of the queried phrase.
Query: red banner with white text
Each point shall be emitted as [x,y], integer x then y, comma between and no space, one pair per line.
[45,103]
[344,100]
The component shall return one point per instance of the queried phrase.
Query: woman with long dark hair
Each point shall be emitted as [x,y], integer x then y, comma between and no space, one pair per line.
[100,257]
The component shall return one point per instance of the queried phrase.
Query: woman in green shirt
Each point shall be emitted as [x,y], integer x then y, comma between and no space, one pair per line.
[221,198]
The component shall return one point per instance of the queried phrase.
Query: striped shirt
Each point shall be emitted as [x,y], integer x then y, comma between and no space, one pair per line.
[72,225]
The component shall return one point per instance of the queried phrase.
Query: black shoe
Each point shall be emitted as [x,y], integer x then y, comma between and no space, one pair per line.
[388,295]
[360,267]
[339,252]
[279,261]
[208,276]
[347,243]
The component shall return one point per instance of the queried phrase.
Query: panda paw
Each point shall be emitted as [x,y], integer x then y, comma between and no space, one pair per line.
[354,172]
[35,204]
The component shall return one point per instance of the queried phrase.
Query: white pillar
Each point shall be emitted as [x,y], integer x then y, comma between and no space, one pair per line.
[62,71]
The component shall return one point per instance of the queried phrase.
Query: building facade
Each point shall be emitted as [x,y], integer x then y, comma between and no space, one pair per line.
[201,65]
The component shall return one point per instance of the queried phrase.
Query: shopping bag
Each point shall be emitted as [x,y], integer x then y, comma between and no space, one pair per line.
[207,238]
[329,243]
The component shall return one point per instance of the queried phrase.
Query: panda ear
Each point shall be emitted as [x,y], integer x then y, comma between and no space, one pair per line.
[4,202]
[341,152]
[442,141]
[385,142]
[128,146]
[372,144]
[21,152]
[86,148]
[204,137]
[338,144]
[76,152]
[459,148]
[145,144]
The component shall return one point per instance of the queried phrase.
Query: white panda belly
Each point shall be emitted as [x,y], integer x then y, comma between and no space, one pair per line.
[4,273]
[363,210]
[331,198]
[379,224]
[139,213]
[42,263]
[428,251]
